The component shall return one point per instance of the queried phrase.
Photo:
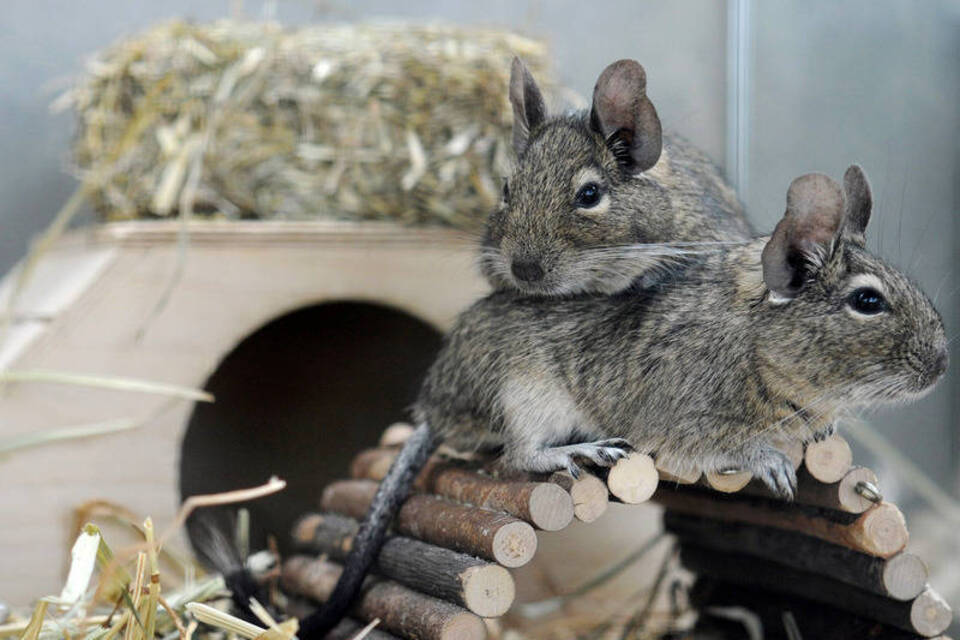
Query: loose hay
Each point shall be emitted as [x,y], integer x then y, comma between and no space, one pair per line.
[363,122]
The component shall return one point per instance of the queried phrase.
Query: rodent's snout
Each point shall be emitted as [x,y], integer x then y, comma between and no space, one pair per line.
[937,365]
[527,271]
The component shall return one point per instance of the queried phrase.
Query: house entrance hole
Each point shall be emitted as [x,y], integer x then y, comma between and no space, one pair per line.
[298,398]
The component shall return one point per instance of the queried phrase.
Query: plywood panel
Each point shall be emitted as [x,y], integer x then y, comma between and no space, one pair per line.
[235,279]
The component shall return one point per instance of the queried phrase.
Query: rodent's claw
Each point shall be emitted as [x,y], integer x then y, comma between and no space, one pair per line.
[603,453]
[615,443]
[606,456]
[825,433]
[574,469]
[777,472]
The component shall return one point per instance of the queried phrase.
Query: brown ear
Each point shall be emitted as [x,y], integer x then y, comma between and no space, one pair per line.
[529,110]
[623,114]
[858,204]
[806,234]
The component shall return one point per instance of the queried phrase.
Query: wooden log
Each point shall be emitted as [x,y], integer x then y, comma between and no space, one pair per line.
[373,464]
[396,434]
[347,629]
[927,614]
[840,496]
[792,447]
[880,531]
[727,482]
[402,611]
[588,492]
[542,504]
[485,588]
[671,471]
[902,577]
[828,460]
[815,620]
[478,532]
[633,479]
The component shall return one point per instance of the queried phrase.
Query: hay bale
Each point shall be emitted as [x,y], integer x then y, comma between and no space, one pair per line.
[250,120]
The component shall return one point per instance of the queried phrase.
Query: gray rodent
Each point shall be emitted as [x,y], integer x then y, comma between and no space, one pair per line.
[601,198]
[773,337]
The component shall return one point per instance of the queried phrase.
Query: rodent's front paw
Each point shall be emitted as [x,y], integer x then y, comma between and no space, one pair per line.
[776,471]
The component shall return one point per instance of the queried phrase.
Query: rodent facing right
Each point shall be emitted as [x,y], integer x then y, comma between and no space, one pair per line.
[770,338]
[597,200]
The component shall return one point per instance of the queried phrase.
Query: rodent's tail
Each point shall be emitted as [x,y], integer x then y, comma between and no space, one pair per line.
[216,549]
[366,545]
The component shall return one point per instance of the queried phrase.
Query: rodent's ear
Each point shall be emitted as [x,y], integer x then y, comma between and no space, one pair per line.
[805,236]
[858,204]
[529,110]
[623,114]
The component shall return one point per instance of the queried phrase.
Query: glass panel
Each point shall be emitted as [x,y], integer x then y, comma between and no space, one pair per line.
[833,83]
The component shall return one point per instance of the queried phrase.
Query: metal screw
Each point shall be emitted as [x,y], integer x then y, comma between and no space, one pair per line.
[869,491]
[729,471]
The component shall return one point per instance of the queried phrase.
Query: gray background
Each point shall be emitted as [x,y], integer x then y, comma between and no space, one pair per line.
[827,83]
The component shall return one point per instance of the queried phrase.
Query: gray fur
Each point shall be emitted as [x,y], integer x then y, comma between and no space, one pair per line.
[652,220]
[705,369]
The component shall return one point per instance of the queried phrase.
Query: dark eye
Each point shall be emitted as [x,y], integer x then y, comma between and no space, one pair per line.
[506,189]
[867,300]
[588,196]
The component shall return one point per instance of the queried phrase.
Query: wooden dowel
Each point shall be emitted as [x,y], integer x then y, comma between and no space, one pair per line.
[792,447]
[930,614]
[373,464]
[349,629]
[733,481]
[674,471]
[726,482]
[839,496]
[927,614]
[588,492]
[402,611]
[396,434]
[478,532]
[633,479]
[815,620]
[485,588]
[542,504]
[901,577]
[828,460]
[880,531]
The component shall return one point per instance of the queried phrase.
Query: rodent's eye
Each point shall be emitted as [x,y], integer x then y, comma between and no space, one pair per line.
[868,301]
[506,190]
[588,196]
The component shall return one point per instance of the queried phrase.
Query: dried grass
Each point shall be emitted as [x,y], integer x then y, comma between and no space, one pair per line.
[249,120]
[110,595]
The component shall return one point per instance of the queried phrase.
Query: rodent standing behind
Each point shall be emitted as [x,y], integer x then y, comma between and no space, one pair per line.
[601,199]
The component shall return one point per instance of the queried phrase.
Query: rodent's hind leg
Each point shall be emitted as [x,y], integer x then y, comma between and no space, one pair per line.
[602,453]
[774,469]
[825,433]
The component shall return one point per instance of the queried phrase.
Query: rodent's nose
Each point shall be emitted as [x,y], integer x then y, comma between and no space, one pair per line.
[938,365]
[527,271]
